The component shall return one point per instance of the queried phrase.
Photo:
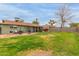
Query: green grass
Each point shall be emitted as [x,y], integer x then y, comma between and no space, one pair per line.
[60,43]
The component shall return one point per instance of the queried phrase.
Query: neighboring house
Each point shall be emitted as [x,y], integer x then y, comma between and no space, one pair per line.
[46,27]
[7,26]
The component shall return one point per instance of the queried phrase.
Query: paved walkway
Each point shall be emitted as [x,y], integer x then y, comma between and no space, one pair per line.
[13,35]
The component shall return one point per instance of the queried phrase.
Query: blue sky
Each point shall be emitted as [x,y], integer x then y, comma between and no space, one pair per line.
[30,11]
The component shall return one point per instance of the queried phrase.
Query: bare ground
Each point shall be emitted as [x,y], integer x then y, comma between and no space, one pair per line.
[37,52]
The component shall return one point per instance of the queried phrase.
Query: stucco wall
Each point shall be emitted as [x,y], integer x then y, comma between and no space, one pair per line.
[22,28]
[5,29]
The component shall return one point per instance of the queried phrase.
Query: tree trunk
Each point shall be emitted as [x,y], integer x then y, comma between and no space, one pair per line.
[62,23]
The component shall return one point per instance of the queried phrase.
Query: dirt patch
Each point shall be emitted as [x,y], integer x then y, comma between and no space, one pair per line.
[46,37]
[37,52]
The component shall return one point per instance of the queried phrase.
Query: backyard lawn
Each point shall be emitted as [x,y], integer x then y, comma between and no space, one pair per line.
[43,43]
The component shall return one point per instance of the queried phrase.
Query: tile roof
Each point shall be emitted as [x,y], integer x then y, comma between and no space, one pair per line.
[8,22]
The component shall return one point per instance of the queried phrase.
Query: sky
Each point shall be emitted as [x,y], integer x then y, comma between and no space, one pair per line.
[29,11]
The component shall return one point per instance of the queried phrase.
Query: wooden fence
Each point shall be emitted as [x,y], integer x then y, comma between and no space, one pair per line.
[58,29]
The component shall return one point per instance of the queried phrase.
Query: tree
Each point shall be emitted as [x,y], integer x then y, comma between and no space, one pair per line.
[75,25]
[35,21]
[17,19]
[51,24]
[64,15]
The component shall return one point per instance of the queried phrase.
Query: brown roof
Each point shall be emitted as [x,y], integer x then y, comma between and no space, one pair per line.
[8,22]
[46,26]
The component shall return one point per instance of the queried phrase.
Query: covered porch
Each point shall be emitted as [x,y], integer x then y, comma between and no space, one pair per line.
[34,29]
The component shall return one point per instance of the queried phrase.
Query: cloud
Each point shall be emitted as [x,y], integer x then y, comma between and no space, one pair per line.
[28,12]
[13,11]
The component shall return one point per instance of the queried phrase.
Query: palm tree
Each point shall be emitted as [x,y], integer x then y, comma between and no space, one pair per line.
[51,24]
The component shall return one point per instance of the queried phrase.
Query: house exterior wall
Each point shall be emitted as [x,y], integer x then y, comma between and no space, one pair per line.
[29,29]
[5,29]
[22,28]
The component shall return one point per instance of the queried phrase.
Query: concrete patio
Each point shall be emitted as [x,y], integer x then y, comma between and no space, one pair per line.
[13,35]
